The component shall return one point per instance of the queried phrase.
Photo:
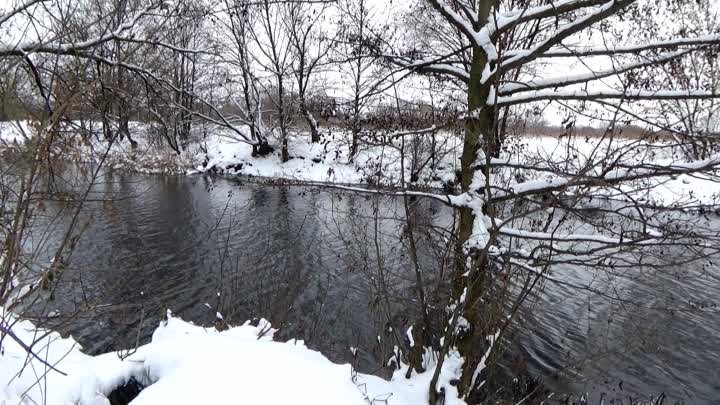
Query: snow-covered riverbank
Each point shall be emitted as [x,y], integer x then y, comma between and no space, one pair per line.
[188,364]
[220,153]
[328,161]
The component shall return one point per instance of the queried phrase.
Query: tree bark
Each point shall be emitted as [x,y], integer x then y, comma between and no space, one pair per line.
[469,285]
[311,121]
[283,123]
[479,135]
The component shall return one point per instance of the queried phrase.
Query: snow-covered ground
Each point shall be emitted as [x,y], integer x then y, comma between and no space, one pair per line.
[328,161]
[575,155]
[188,364]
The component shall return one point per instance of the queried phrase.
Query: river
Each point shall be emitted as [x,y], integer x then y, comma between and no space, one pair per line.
[306,259]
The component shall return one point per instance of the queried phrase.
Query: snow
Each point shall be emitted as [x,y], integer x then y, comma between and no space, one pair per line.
[480,235]
[328,161]
[222,367]
[188,364]
[12,133]
[536,158]
[26,380]
[482,364]
[539,184]
[629,94]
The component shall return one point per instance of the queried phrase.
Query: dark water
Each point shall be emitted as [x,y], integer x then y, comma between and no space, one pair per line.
[307,259]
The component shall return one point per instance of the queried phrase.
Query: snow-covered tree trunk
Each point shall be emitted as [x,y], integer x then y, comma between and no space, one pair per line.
[311,122]
[470,279]
[479,138]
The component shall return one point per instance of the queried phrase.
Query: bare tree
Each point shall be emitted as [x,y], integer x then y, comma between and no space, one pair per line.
[274,55]
[311,42]
[186,34]
[241,23]
[689,122]
[358,48]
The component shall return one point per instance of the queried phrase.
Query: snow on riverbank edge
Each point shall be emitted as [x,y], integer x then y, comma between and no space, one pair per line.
[188,364]
[328,162]
[220,153]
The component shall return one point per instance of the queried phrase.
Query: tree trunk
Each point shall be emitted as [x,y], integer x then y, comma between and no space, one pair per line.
[479,134]
[471,284]
[285,154]
[354,144]
[311,121]
[355,129]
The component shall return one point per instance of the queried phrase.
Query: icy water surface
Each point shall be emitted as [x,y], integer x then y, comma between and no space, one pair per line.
[307,260]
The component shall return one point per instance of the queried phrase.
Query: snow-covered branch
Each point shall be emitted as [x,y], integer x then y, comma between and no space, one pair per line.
[458,21]
[477,37]
[630,94]
[19,9]
[77,48]
[558,237]
[606,50]
[161,44]
[445,199]
[612,176]
[522,57]
[508,20]
[555,82]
